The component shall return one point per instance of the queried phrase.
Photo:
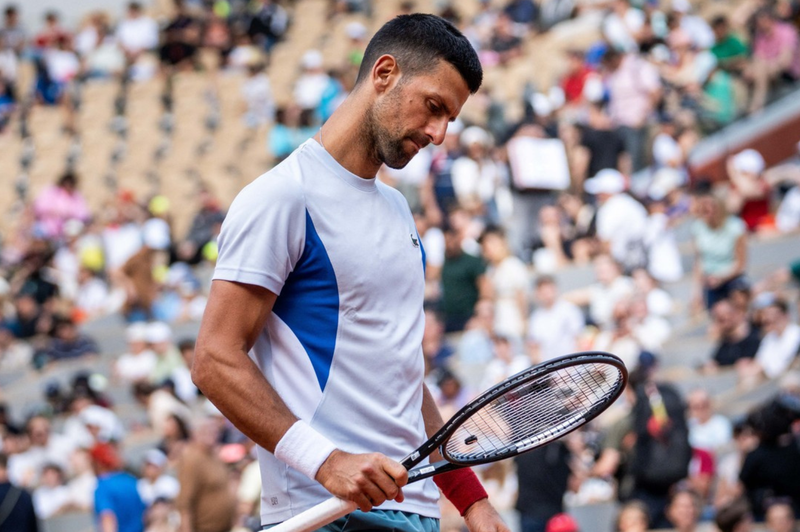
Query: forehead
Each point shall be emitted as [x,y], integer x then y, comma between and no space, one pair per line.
[443,82]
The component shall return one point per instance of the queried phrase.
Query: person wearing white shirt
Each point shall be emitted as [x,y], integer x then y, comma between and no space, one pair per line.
[707,430]
[621,220]
[137,33]
[506,362]
[311,84]
[781,342]
[139,362]
[601,297]
[154,483]
[555,325]
[787,219]
[46,447]
[52,496]
[509,280]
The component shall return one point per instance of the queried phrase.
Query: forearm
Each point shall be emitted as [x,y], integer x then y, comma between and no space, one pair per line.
[236,386]
[108,522]
[432,418]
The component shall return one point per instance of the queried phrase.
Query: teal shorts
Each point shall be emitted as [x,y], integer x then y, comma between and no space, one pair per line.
[377,520]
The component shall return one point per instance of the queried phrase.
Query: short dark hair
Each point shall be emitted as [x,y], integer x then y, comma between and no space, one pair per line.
[545,279]
[495,230]
[418,40]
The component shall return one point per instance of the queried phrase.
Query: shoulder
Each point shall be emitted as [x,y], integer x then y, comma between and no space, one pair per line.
[735,225]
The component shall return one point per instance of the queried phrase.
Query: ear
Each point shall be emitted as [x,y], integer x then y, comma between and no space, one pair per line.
[385,73]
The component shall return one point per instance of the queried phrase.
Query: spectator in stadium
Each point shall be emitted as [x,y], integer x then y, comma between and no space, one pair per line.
[508,278]
[138,362]
[554,325]
[68,342]
[59,203]
[775,55]
[729,487]
[735,517]
[780,344]
[117,505]
[21,516]
[311,84]
[780,517]
[269,24]
[749,194]
[507,361]
[293,126]
[730,50]
[435,347]
[600,298]
[52,496]
[602,142]
[543,475]
[463,282]
[620,219]
[634,90]
[25,468]
[205,501]
[683,510]
[137,33]
[475,346]
[707,430]
[633,517]
[623,26]
[738,339]
[12,34]
[720,245]
[771,469]
[154,483]
[181,39]
[476,177]
[504,44]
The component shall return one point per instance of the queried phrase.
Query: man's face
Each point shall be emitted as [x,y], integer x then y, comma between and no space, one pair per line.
[415,112]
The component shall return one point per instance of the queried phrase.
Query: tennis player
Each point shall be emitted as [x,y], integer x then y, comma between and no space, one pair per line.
[311,339]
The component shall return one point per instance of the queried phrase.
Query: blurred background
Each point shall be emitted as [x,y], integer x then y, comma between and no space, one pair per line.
[626,180]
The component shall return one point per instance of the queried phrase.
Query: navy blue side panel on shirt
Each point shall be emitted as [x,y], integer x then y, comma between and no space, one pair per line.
[309,304]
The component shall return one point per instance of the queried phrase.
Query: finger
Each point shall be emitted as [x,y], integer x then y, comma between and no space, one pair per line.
[386,484]
[374,493]
[363,502]
[395,470]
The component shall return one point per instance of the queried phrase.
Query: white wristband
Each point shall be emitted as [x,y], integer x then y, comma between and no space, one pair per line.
[304,449]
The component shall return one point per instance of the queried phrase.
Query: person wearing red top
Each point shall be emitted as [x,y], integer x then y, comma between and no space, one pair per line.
[749,195]
[577,73]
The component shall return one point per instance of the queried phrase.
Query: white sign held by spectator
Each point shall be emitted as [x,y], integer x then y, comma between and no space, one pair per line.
[538,163]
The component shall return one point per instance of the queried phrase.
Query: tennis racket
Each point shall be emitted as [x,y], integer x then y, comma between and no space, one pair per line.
[526,411]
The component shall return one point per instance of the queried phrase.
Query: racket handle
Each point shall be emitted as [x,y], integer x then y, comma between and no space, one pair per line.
[320,515]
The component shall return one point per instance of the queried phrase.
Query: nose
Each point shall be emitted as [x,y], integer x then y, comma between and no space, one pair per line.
[436,130]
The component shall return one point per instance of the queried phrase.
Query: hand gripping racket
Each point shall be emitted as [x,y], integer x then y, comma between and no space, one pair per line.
[526,411]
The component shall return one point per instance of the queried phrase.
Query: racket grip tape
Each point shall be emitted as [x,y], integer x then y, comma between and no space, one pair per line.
[316,517]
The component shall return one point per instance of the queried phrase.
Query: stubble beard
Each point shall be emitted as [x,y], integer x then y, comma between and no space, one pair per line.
[385,145]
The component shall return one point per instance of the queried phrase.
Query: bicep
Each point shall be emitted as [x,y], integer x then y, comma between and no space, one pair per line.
[235,315]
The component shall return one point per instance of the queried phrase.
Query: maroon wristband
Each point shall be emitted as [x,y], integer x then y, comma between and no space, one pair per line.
[461,487]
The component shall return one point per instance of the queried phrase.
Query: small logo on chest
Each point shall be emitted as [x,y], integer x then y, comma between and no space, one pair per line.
[414,240]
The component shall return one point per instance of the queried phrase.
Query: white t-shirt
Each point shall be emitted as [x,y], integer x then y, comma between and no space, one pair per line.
[309,89]
[603,298]
[48,501]
[137,34]
[508,279]
[62,65]
[663,256]
[777,352]
[621,222]
[138,367]
[555,330]
[345,333]
[165,486]
[787,218]
[711,435]
[121,243]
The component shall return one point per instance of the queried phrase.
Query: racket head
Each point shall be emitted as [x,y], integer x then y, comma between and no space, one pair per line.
[533,408]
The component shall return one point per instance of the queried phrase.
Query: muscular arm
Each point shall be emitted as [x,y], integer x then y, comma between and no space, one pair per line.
[222,370]
[234,317]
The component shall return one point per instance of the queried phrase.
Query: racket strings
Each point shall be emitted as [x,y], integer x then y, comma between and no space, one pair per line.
[535,412]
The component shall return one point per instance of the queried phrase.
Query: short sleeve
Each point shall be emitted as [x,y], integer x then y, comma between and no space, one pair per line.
[102,501]
[736,226]
[263,235]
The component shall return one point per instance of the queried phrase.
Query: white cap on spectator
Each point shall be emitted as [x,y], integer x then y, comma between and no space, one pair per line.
[105,420]
[155,234]
[681,6]
[664,181]
[455,127]
[155,457]
[666,150]
[749,161]
[136,332]
[158,332]
[312,59]
[593,89]
[607,181]
[475,135]
[356,31]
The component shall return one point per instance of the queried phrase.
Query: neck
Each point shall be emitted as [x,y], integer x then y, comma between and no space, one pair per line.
[344,138]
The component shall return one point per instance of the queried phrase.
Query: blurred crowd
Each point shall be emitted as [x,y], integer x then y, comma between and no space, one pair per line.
[594,173]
